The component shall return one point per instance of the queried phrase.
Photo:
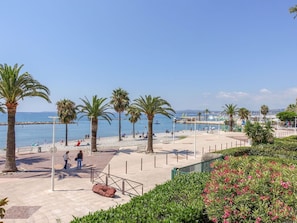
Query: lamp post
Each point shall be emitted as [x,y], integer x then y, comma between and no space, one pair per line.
[53,150]
[173,129]
[195,138]
[295,126]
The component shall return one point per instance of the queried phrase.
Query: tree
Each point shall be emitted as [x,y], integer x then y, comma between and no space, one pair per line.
[293,10]
[206,113]
[13,88]
[260,134]
[264,111]
[151,106]
[120,102]
[135,115]
[199,116]
[94,109]
[67,113]
[286,116]
[230,110]
[291,108]
[243,114]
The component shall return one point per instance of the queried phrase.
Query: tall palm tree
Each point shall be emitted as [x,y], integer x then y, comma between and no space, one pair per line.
[135,115]
[199,116]
[291,107]
[14,87]
[94,109]
[264,111]
[67,113]
[151,106]
[120,102]
[230,110]
[293,10]
[243,114]
[206,113]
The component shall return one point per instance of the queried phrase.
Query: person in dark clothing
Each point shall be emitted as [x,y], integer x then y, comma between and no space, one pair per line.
[79,159]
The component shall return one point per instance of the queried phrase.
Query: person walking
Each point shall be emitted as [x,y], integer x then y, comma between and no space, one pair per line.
[79,159]
[66,158]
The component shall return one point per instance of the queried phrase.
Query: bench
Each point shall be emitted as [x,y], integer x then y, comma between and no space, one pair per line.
[28,149]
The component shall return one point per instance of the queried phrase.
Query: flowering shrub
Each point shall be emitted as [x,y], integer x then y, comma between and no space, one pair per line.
[251,189]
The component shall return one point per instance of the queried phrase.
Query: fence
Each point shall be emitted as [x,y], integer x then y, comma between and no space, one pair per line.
[126,186]
[203,166]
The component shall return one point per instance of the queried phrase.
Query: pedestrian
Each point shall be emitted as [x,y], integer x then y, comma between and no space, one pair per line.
[79,159]
[66,158]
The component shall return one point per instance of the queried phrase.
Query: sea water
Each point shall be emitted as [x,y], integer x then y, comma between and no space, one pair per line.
[38,134]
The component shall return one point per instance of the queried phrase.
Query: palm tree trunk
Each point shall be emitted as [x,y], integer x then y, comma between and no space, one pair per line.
[10,164]
[66,136]
[94,134]
[120,127]
[150,136]
[133,130]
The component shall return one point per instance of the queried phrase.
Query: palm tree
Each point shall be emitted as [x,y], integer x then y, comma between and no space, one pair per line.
[199,116]
[243,114]
[230,110]
[264,111]
[151,106]
[206,113]
[14,87]
[2,109]
[67,113]
[120,102]
[291,107]
[135,115]
[293,10]
[93,110]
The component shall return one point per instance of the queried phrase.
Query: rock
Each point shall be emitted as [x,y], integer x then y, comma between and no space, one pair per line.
[104,190]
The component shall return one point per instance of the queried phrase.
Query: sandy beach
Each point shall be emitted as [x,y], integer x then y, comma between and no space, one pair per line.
[32,194]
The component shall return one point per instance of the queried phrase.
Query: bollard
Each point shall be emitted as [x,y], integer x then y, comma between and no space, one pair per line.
[108,170]
[202,150]
[126,167]
[141,164]
[166,158]
[106,180]
[123,187]
[154,161]
[177,157]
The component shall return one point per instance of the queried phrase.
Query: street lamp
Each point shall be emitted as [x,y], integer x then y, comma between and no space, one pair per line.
[173,129]
[295,126]
[53,150]
[195,138]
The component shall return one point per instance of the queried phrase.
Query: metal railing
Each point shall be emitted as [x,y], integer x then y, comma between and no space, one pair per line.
[203,166]
[124,185]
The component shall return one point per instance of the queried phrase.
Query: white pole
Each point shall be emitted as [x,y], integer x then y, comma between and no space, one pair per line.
[91,135]
[53,150]
[173,130]
[295,126]
[195,139]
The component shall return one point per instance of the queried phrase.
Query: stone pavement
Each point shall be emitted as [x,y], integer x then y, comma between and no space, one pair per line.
[30,194]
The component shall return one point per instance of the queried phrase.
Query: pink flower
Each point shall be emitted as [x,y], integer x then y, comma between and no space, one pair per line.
[285,184]
[258,220]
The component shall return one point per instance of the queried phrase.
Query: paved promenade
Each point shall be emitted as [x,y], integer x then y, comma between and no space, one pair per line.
[30,194]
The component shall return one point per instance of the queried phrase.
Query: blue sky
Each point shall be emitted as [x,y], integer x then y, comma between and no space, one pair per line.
[196,54]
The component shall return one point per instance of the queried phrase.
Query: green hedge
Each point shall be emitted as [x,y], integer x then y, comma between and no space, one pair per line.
[178,200]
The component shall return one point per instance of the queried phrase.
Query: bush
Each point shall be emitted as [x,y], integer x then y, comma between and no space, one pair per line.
[251,189]
[3,202]
[178,200]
